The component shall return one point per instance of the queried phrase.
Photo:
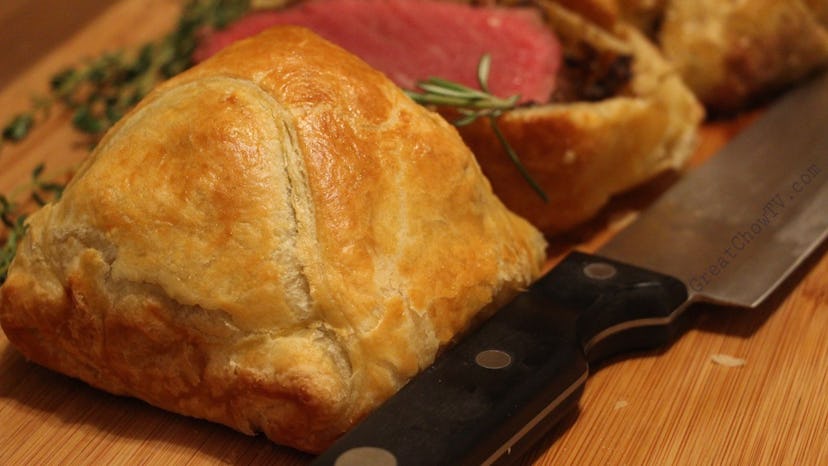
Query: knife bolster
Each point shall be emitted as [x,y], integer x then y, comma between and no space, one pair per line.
[620,307]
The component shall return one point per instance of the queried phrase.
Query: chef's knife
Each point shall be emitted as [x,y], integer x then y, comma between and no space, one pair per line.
[729,232]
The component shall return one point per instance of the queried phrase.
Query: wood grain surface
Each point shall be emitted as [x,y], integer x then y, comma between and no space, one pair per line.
[671,406]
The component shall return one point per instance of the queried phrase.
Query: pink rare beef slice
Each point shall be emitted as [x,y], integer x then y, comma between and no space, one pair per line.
[411,40]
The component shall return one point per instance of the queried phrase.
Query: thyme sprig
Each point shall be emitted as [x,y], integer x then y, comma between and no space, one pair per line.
[99,91]
[473,104]
[13,214]
[16,230]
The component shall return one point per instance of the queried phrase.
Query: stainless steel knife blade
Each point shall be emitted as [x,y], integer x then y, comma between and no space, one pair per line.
[729,232]
[734,228]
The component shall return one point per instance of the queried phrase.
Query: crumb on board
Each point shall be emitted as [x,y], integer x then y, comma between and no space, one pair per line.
[727,360]
[621,404]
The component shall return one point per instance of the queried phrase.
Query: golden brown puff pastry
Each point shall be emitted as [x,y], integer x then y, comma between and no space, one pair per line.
[276,240]
[584,152]
[644,14]
[732,53]
[820,10]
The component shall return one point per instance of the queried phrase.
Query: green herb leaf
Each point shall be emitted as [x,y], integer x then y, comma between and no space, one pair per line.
[516,160]
[19,127]
[16,229]
[467,119]
[9,249]
[37,171]
[38,185]
[63,82]
[85,120]
[6,209]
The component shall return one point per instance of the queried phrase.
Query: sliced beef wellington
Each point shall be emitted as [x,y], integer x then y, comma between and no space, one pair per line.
[601,111]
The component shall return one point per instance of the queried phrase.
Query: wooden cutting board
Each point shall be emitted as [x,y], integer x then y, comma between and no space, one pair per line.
[672,406]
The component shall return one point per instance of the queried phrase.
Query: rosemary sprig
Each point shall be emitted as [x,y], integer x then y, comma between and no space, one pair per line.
[473,104]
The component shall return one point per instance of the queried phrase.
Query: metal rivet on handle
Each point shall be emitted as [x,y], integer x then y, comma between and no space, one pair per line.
[493,359]
[366,456]
[599,271]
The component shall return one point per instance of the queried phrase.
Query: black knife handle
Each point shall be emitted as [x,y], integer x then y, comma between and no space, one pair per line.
[497,390]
